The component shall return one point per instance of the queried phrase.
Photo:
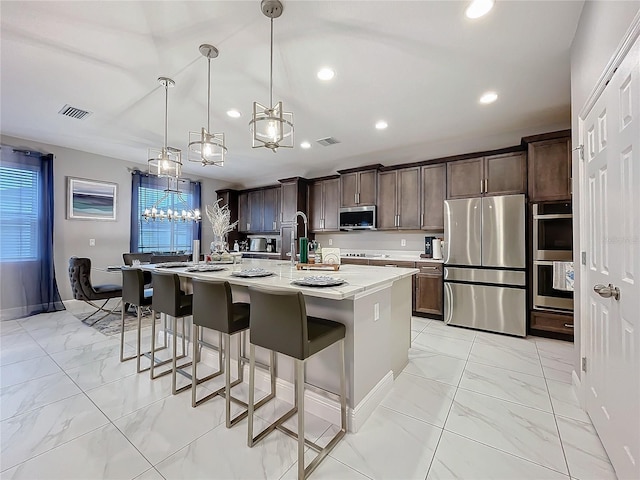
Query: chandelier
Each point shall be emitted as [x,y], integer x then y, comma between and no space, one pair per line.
[181,211]
[271,127]
[165,161]
[205,147]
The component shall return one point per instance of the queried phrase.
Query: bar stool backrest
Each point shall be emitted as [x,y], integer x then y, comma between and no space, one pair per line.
[212,305]
[278,322]
[169,258]
[166,293]
[132,286]
[130,257]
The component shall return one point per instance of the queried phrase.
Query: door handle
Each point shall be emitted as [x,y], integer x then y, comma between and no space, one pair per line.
[607,291]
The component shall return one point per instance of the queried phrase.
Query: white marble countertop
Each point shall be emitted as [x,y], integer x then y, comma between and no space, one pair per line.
[358,279]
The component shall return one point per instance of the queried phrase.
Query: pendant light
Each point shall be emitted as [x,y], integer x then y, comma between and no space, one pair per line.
[271,127]
[206,147]
[165,161]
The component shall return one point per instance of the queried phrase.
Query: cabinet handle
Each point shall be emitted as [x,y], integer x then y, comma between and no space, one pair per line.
[248,226]
[358,194]
[355,198]
[481,186]
[274,225]
[398,221]
[486,185]
[422,219]
[568,325]
[391,265]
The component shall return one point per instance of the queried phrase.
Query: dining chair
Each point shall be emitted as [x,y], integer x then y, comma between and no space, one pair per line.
[83,289]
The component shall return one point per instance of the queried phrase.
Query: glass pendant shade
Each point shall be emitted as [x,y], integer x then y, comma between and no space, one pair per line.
[165,162]
[207,148]
[271,127]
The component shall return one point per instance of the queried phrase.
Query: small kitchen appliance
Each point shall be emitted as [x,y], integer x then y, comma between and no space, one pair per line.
[258,244]
[428,247]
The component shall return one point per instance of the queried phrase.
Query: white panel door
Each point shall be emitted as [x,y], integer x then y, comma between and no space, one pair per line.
[611,135]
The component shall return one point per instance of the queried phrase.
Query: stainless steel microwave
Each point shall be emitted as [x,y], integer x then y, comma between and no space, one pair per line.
[358,218]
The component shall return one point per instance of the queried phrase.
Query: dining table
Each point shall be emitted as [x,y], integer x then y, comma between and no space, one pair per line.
[374,304]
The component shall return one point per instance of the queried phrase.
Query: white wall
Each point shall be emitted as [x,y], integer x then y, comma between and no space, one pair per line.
[601,27]
[71,237]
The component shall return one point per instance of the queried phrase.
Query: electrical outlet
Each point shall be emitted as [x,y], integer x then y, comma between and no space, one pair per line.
[403,242]
[330,241]
[92,242]
[376,311]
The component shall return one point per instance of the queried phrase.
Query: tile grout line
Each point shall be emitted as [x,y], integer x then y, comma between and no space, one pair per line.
[555,419]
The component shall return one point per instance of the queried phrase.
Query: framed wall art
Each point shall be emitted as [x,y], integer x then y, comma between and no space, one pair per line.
[91,199]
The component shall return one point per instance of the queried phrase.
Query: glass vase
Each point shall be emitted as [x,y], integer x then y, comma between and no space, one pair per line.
[219,245]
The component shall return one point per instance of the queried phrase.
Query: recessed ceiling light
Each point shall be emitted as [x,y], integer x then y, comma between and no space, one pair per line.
[488,97]
[479,8]
[305,144]
[381,125]
[326,73]
[233,113]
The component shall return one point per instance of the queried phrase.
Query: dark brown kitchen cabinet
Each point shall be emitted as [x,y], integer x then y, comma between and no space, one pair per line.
[558,323]
[358,188]
[399,199]
[293,197]
[230,199]
[243,212]
[434,189]
[429,286]
[550,170]
[256,211]
[503,174]
[354,261]
[323,205]
[271,209]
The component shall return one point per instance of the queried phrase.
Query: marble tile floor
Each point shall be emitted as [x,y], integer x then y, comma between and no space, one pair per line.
[470,405]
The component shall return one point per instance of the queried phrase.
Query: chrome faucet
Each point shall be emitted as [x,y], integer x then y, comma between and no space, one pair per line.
[293,234]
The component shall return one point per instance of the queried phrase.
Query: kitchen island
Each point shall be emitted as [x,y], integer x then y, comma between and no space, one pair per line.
[374,304]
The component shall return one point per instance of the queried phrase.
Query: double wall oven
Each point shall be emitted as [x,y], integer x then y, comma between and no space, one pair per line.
[552,242]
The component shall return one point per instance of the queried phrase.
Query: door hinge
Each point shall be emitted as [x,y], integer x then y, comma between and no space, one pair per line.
[584,364]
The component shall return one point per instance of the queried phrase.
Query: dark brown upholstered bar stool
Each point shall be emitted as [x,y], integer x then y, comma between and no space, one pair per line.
[213,308]
[279,322]
[170,300]
[135,293]
[129,258]
[83,289]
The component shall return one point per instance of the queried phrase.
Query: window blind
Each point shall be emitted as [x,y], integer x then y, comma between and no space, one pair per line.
[20,213]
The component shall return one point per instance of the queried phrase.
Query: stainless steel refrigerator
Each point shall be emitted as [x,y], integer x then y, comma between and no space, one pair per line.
[484,257]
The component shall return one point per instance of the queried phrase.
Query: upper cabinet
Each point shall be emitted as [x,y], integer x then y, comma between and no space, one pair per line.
[259,210]
[399,199]
[230,199]
[502,174]
[358,187]
[550,170]
[434,186]
[271,209]
[323,205]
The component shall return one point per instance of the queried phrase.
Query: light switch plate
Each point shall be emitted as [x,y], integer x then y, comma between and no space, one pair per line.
[92,242]
[376,312]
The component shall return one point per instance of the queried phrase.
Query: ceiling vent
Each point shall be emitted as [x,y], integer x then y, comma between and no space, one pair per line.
[325,142]
[73,112]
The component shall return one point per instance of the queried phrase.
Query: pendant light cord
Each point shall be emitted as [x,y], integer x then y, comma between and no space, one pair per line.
[271,69]
[209,95]
[166,112]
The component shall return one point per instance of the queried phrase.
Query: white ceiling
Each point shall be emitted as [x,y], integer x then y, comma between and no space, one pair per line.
[420,65]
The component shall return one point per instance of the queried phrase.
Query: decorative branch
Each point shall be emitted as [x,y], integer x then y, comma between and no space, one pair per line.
[220,218]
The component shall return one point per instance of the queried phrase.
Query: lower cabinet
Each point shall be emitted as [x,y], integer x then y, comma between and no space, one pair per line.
[429,289]
[556,323]
[428,284]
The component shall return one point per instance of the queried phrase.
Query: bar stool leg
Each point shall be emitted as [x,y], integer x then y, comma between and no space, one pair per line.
[153,344]
[174,363]
[122,357]
[195,330]
[343,388]
[252,374]
[300,404]
[227,376]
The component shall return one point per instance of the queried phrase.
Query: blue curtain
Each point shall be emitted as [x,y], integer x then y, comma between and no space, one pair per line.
[28,284]
[156,236]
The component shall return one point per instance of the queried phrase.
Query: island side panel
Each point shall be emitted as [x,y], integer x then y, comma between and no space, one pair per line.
[400,326]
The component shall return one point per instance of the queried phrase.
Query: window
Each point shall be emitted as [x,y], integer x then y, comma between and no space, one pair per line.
[20,212]
[162,236]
